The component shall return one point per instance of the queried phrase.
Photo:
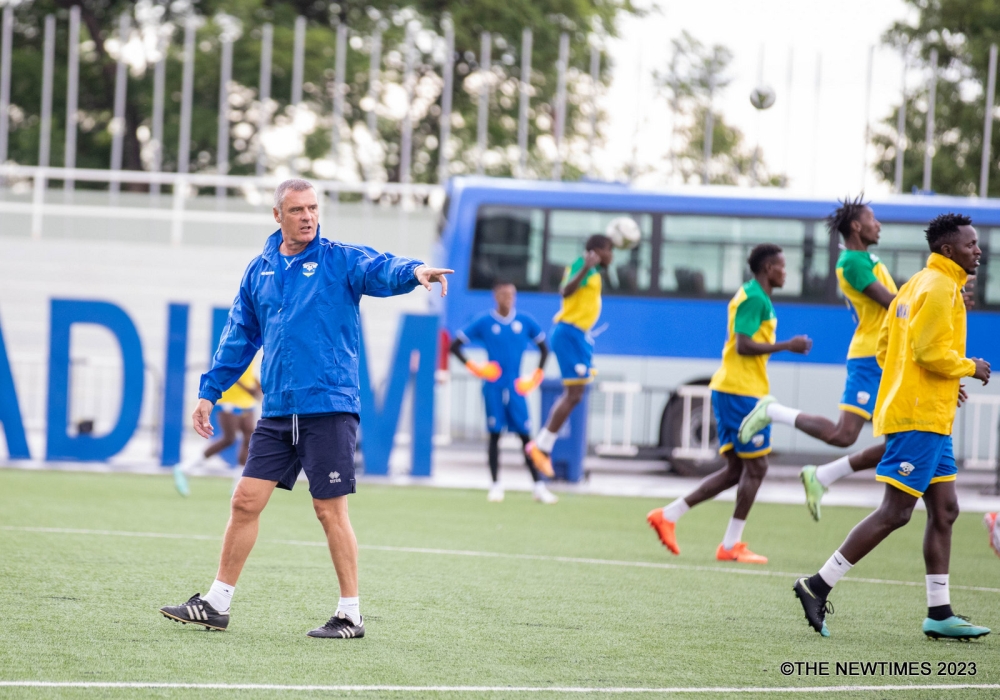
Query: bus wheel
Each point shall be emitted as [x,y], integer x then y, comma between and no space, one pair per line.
[671,424]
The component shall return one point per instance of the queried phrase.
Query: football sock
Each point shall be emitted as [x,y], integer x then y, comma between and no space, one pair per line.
[834,569]
[494,455]
[220,595]
[818,586]
[352,608]
[938,597]
[733,533]
[782,414]
[545,440]
[525,439]
[675,510]
[826,474]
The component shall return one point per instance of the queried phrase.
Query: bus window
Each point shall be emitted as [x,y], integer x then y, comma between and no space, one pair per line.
[630,271]
[508,247]
[903,249]
[990,267]
[706,255]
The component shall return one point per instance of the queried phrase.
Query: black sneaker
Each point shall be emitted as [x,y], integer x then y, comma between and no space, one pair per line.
[340,626]
[197,611]
[816,607]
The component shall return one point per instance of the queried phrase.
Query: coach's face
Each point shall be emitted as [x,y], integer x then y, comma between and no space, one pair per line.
[299,217]
[964,249]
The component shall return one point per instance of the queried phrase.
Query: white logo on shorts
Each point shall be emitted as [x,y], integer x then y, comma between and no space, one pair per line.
[905,468]
[580,368]
[757,440]
[863,397]
[334,477]
[309,268]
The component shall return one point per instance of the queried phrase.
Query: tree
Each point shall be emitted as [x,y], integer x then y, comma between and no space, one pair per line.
[301,138]
[695,76]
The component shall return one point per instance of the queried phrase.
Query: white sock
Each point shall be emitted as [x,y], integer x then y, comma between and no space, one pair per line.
[835,568]
[782,414]
[675,510]
[546,440]
[937,590]
[540,487]
[220,595]
[834,471]
[733,533]
[350,607]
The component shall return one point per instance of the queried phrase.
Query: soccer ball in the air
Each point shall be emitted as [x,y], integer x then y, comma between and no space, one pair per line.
[762,97]
[624,232]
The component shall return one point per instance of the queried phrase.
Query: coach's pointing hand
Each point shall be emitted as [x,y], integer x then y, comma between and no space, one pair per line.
[200,417]
[427,275]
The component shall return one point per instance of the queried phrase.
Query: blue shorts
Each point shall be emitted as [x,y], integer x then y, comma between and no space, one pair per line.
[321,444]
[505,409]
[730,409]
[574,351]
[914,460]
[861,388]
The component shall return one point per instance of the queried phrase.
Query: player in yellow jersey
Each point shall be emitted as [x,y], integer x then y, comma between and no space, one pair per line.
[571,342]
[236,416]
[736,386]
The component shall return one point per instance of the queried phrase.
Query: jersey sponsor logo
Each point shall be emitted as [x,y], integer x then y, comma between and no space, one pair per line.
[516,326]
[902,310]
[309,268]
[334,477]
[864,397]
[905,468]
[267,272]
[757,440]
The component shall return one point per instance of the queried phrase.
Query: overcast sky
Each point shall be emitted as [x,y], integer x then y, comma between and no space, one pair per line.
[839,33]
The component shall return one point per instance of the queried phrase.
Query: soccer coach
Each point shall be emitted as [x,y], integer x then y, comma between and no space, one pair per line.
[299,300]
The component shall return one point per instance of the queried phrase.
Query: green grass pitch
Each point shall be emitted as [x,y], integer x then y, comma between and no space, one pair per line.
[83,606]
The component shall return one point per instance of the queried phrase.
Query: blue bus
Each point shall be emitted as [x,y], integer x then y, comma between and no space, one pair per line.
[663,322]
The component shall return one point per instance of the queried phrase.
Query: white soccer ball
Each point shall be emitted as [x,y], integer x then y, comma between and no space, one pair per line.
[624,232]
[762,97]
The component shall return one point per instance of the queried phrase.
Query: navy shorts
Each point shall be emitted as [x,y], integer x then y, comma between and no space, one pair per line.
[321,444]
[505,409]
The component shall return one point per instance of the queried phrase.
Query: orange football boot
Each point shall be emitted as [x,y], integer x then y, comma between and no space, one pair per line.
[739,553]
[664,529]
[542,461]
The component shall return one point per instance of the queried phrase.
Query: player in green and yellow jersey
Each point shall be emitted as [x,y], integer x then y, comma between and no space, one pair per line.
[869,289]
[736,387]
[571,342]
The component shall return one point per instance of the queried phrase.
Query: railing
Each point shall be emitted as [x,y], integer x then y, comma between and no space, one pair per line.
[628,390]
[685,450]
[975,407]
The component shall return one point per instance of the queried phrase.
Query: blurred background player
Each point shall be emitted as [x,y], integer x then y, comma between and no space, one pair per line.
[921,349]
[992,524]
[235,416]
[505,333]
[571,341]
[869,289]
[736,387]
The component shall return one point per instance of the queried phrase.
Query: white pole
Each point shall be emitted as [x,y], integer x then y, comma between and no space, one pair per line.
[595,76]
[121,84]
[72,92]
[264,91]
[706,154]
[868,121]
[901,135]
[340,77]
[187,95]
[222,132]
[485,44]
[560,115]
[991,86]
[755,158]
[817,117]
[788,115]
[522,117]
[298,59]
[159,86]
[406,138]
[5,49]
[929,133]
[375,80]
[446,95]
[49,58]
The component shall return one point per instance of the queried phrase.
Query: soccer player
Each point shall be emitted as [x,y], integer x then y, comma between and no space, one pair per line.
[299,301]
[571,341]
[992,524]
[921,349]
[736,386]
[236,415]
[869,289]
[506,333]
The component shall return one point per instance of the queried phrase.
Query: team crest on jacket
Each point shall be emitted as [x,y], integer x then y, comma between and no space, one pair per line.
[309,268]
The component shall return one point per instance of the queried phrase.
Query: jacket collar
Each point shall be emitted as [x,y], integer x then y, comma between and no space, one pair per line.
[948,267]
[272,246]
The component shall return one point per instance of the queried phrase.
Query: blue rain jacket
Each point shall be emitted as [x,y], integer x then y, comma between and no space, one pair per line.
[308,321]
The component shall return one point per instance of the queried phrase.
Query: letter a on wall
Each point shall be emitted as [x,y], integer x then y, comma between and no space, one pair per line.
[10,409]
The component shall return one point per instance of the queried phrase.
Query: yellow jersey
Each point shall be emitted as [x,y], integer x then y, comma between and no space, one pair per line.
[752,314]
[856,270]
[236,395]
[582,308]
[921,349]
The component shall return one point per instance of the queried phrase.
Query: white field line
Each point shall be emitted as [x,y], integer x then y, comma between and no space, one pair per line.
[488,689]
[490,555]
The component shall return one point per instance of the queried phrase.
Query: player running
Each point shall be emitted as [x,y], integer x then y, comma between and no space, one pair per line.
[505,333]
[571,342]
[921,349]
[869,289]
[992,524]
[736,386]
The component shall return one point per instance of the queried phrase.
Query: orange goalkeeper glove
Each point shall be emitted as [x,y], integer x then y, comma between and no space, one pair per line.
[490,371]
[525,386]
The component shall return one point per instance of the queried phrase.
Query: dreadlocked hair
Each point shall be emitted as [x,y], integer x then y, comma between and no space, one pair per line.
[848,211]
[942,228]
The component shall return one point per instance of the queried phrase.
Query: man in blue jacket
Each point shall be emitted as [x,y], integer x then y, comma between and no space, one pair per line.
[299,300]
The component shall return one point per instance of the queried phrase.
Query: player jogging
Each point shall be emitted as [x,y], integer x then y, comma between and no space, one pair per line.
[236,415]
[991,522]
[505,333]
[299,301]
[736,386]
[571,342]
[869,289]
[921,349]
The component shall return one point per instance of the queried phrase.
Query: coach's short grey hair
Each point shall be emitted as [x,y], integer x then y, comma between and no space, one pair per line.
[293,185]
